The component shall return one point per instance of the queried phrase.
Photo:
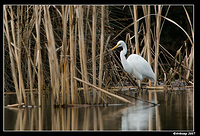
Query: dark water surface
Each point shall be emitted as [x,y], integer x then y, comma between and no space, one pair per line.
[175,112]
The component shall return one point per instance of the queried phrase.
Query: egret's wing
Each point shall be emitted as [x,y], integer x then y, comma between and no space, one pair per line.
[141,66]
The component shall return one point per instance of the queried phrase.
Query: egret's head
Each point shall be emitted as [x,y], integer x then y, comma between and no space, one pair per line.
[119,44]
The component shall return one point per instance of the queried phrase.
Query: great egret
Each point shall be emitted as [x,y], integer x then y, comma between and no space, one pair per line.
[135,64]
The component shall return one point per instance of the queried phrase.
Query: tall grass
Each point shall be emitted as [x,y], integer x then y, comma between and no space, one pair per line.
[82,51]
[136,29]
[11,52]
[94,21]
[53,61]
[101,50]
[146,11]
[158,10]
[38,59]
[65,64]
[72,57]
[66,43]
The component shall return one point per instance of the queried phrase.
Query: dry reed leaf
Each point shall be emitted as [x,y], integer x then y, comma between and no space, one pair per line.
[189,22]
[37,58]
[14,46]
[178,52]
[57,10]
[104,91]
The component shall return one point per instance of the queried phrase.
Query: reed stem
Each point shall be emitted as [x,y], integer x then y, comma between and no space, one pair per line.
[38,60]
[53,61]
[146,10]
[17,54]
[82,51]
[136,29]
[101,50]
[72,57]
[51,51]
[94,51]
[104,91]
[65,68]
[11,57]
[158,22]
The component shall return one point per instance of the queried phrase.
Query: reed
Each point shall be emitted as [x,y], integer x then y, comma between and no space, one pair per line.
[158,22]
[19,43]
[104,91]
[38,59]
[146,11]
[70,43]
[191,57]
[136,29]
[94,21]
[53,62]
[65,67]
[72,57]
[28,42]
[30,78]
[84,56]
[82,51]
[17,51]
[101,51]
[6,31]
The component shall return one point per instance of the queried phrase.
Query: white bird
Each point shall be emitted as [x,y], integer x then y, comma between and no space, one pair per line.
[135,64]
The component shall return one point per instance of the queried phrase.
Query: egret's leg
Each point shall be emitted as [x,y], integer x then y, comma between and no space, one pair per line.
[141,85]
[137,84]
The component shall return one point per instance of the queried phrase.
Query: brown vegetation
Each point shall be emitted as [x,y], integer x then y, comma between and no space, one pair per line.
[48,47]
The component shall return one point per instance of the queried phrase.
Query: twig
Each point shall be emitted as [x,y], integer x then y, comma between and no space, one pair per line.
[156,104]
[102,90]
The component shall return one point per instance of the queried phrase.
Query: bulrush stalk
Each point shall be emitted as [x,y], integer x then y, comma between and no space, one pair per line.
[82,51]
[17,53]
[39,59]
[94,20]
[53,61]
[72,57]
[101,50]
[158,22]
[146,10]
[102,90]
[136,29]
[19,97]
[51,46]
[65,67]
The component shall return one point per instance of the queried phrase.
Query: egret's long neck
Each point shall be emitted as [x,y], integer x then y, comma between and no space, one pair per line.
[123,53]
[125,63]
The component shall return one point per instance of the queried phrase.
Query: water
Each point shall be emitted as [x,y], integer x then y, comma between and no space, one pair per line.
[175,112]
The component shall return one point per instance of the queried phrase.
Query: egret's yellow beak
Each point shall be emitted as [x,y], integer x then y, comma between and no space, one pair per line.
[115,47]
